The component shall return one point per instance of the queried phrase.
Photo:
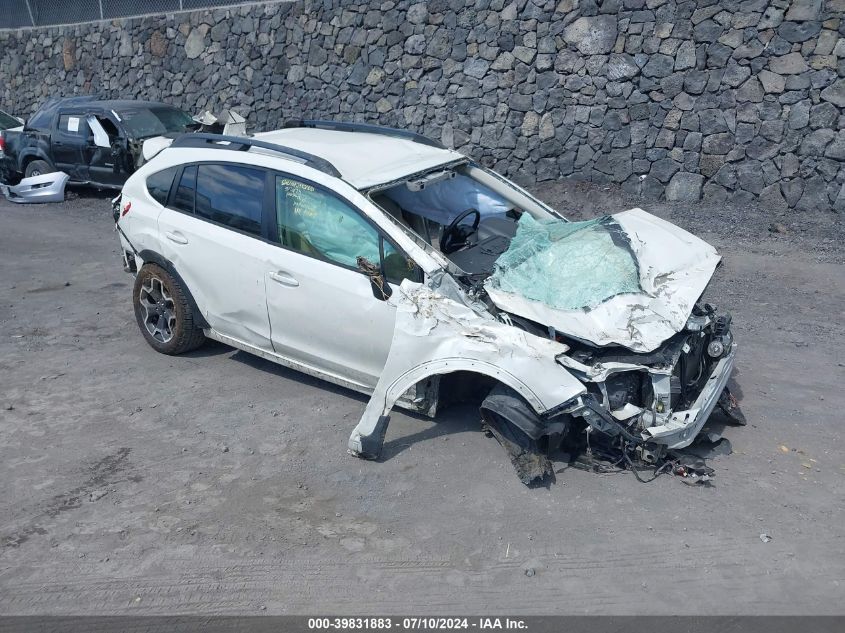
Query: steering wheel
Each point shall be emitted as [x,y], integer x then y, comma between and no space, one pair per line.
[448,241]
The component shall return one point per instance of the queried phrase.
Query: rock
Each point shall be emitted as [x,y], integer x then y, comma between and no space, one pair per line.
[547,127]
[195,44]
[659,65]
[524,54]
[685,57]
[799,116]
[415,45]
[799,31]
[735,75]
[593,35]
[835,93]
[814,197]
[68,53]
[383,105]
[749,177]
[476,67]
[771,197]
[772,17]
[792,190]
[504,61]
[684,187]
[621,67]
[220,31]
[664,169]
[751,90]
[836,149]
[824,115]
[790,64]
[761,148]
[718,143]
[815,142]
[772,83]
[417,13]
[804,10]
[158,44]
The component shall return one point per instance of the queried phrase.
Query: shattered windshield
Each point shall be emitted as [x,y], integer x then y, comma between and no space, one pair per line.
[567,265]
[147,122]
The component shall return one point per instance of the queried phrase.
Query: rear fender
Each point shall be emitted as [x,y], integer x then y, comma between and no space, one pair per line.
[151,257]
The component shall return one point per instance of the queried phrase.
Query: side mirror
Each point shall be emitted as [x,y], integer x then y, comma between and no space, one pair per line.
[381,289]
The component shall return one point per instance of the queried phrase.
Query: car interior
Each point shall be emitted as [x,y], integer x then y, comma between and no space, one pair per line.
[456,214]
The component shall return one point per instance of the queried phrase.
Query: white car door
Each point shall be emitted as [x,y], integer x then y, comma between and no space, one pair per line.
[323,309]
[211,230]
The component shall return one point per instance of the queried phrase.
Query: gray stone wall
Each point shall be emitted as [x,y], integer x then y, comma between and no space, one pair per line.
[730,100]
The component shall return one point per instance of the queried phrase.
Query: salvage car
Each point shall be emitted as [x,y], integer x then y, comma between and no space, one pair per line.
[382,261]
[96,142]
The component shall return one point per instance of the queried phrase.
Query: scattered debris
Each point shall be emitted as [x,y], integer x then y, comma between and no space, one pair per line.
[97,495]
[777,227]
[42,188]
[765,537]
[529,572]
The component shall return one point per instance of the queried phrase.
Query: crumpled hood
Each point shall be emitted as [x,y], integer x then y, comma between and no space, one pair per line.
[629,279]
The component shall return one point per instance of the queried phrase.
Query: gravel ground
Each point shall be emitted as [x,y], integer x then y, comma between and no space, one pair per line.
[217,482]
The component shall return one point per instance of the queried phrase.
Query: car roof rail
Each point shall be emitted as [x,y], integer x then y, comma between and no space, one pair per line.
[205,140]
[369,128]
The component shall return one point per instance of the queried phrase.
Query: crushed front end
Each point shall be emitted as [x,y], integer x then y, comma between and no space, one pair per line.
[657,401]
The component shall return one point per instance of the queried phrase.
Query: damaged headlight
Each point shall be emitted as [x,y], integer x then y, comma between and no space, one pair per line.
[716,348]
[722,338]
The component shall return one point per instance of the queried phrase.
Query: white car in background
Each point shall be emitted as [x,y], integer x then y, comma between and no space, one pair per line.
[379,260]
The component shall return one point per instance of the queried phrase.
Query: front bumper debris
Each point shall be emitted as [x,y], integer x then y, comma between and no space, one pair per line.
[683,426]
[37,189]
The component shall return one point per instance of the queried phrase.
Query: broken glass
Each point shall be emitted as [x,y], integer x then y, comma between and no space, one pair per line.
[567,265]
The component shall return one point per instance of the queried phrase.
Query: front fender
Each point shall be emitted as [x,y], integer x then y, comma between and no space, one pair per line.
[436,332]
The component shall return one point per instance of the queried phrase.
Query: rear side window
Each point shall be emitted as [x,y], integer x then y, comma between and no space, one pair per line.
[184,198]
[73,125]
[231,195]
[158,184]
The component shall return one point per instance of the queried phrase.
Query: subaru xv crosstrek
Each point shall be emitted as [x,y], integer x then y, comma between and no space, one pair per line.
[379,260]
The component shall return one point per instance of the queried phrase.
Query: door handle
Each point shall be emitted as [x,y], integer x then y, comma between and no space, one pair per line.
[176,237]
[284,278]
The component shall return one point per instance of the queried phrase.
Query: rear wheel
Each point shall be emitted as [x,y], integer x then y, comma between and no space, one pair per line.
[38,168]
[164,313]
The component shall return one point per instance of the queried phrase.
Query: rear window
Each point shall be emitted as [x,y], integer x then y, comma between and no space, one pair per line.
[231,195]
[7,121]
[155,121]
[158,184]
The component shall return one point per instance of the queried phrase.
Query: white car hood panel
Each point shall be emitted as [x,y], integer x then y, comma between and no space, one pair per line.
[674,269]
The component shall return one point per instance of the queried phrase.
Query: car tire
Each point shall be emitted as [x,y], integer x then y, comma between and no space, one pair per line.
[163,312]
[38,168]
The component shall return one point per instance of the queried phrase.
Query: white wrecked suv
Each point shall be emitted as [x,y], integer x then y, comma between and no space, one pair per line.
[379,260]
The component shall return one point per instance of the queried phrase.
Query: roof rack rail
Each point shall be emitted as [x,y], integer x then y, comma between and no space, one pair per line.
[241,144]
[343,126]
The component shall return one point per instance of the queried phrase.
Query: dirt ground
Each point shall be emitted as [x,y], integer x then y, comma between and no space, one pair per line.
[132,482]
